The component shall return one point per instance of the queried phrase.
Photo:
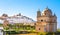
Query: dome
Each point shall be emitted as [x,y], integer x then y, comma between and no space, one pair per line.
[47,11]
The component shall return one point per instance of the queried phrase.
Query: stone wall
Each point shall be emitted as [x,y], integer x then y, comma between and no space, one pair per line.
[26,34]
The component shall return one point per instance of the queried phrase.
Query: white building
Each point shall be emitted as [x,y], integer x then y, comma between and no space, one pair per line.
[1,30]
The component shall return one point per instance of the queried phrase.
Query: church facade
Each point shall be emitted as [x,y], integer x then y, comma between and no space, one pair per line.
[46,21]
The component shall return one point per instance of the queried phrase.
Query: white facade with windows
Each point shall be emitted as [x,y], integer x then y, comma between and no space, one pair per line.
[1,30]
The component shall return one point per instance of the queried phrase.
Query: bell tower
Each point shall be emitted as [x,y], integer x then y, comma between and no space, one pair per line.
[38,13]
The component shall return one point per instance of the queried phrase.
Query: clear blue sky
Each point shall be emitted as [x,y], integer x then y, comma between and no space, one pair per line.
[29,7]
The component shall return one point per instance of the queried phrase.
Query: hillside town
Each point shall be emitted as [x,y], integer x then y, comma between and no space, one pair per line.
[46,22]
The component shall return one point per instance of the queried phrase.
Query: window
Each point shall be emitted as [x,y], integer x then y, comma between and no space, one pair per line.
[45,13]
[39,28]
[47,20]
[41,20]
[54,20]
[35,23]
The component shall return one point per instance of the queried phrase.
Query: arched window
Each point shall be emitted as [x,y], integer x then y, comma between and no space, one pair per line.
[45,13]
[54,20]
[35,24]
[39,28]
